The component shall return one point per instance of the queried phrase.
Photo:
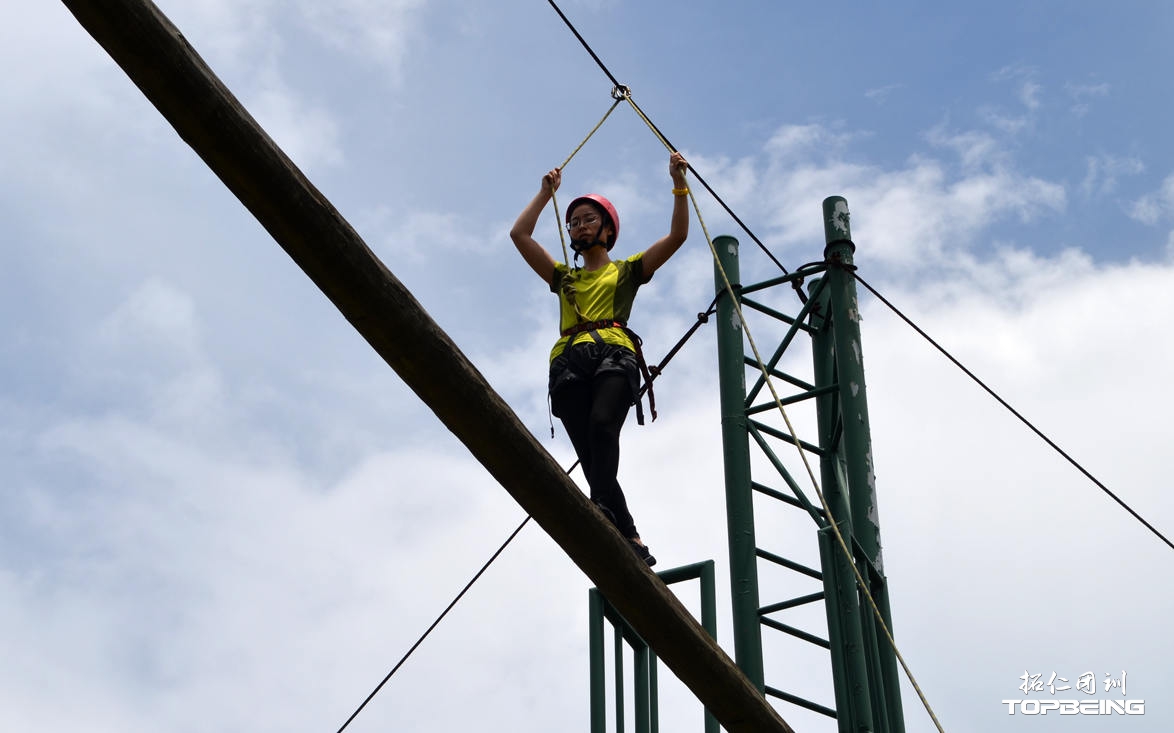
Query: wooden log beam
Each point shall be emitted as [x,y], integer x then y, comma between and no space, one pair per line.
[157,58]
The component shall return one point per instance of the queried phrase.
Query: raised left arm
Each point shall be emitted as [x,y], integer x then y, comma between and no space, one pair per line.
[666,246]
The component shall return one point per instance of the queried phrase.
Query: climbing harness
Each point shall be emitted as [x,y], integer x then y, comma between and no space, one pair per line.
[619,93]
[592,328]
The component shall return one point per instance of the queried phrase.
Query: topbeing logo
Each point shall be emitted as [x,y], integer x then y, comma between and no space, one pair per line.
[1075,707]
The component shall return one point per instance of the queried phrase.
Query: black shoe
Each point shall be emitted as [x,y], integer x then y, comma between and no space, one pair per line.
[643,553]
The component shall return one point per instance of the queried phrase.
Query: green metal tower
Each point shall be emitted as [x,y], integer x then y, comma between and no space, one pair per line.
[864,670]
[866,689]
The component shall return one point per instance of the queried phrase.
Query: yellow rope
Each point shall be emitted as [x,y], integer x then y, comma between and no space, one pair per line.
[554,201]
[593,131]
[794,437]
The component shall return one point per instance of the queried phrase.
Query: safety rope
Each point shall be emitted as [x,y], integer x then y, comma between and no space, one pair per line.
[660,136]
[439,618]
[654,371]
[702,319]
[584,42]
[617,86]
[554,201]
[1013,411]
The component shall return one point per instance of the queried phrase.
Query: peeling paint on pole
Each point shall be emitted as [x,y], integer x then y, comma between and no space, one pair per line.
[845,316]
[859,477]
[837,224]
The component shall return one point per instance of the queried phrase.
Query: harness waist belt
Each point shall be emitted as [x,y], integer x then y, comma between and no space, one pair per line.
[592,326]
[637,342]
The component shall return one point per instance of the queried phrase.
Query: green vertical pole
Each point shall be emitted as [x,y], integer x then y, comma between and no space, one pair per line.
[598,670]
[619,667]
[654,700]
[845,315]
[641,679]
[736,446]
[857,439]
[709,622]
[888,659]
[854,709]
[823,356]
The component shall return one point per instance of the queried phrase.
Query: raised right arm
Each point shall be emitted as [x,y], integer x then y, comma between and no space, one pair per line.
[522,233]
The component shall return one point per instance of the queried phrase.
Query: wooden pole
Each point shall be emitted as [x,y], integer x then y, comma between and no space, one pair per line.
[157,58]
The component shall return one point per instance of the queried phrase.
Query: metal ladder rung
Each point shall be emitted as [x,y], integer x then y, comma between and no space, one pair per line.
[797,633]
[785,498]
[793,399]
[793,381]
[789,564]
[801,702]
[788,438]
[800,601]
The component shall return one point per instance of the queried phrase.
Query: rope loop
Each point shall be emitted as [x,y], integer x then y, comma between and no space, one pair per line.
[553,200]
[621,91]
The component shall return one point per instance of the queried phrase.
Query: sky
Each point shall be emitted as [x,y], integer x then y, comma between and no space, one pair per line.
[222,511]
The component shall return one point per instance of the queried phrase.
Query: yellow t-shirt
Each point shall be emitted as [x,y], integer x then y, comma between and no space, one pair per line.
[605,294]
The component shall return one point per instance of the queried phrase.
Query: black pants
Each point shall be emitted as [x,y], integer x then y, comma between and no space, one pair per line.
[591,392]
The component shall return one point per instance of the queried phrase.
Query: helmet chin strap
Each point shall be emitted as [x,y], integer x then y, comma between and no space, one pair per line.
[582,245]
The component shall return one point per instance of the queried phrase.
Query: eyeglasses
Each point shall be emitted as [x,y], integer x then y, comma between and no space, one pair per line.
[588,221]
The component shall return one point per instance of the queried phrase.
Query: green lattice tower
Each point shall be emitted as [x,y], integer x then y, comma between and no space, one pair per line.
[863,665]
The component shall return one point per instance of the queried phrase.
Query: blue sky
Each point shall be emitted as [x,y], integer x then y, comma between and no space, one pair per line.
[222,511]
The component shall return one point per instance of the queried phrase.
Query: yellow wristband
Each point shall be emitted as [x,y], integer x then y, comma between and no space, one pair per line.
[680,191]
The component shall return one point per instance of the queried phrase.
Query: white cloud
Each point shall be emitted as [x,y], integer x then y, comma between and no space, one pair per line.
[804,141]
[150,350]
[290,578]
[881,94]
[380,30]
[308,134]
[1014,72]
[1084,91]
[1029,94]
[154,313]
[974,148]
[916,214]
[1156,206]
[1103,172]
[1081,95]
[421,236]
[738,180]
[237,34]
[1007,124]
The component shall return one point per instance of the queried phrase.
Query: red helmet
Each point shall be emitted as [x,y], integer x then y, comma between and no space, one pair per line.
[607,208]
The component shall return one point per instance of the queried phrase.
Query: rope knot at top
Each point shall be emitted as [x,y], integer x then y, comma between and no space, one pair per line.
[620,91]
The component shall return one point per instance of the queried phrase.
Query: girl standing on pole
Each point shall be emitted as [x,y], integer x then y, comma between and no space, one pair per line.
[595,364]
